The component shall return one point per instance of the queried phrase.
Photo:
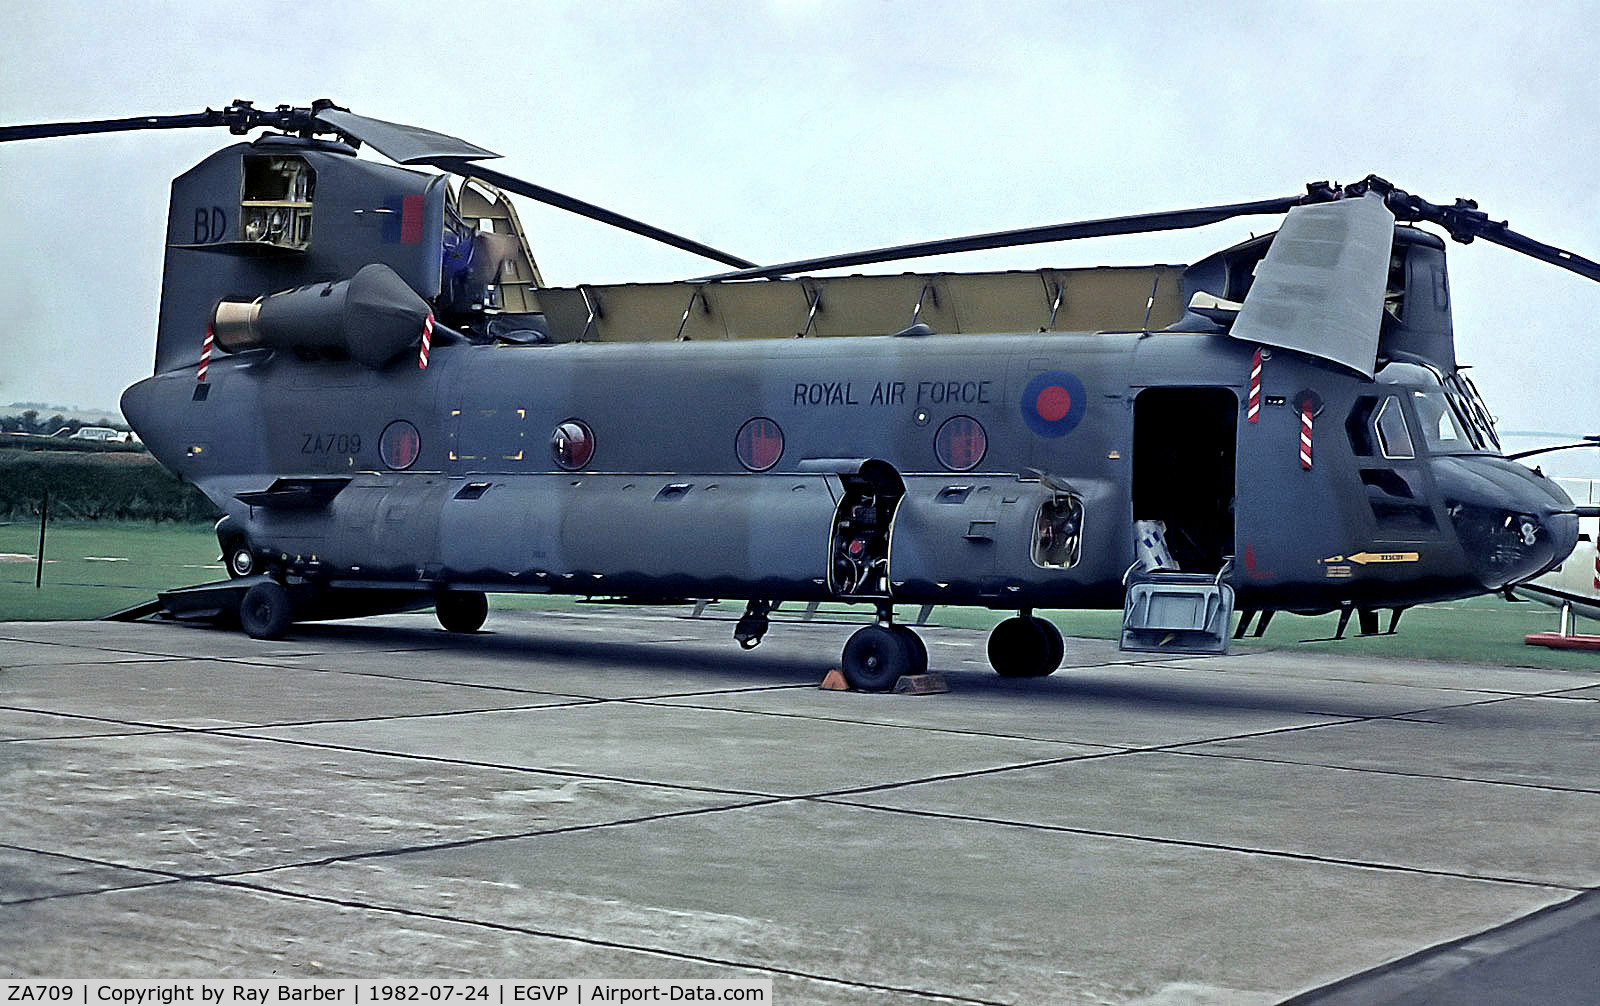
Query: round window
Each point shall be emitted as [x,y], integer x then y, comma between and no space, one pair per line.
[960,443]
[399,445]
[759,444]
[572,445]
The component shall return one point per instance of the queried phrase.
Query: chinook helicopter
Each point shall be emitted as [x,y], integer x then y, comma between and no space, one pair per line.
[359,364]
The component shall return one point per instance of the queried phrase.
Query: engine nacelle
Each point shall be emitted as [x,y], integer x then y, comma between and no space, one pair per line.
[373,316]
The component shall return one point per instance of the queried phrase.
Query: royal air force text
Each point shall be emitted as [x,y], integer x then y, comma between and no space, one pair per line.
[894,393]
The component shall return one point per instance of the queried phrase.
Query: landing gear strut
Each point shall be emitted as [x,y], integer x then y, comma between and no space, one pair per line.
[878,655]
[1025,647]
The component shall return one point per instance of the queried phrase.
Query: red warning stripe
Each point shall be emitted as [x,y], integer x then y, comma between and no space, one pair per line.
[1253,413]
[205,355]
[1305,435]
[427,340]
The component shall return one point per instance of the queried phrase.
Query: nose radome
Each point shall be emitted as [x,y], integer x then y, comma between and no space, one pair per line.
[1512,523]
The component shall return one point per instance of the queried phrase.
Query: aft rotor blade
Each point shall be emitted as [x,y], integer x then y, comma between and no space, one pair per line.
[551,197]
[400,143]
[42,130]
[1141,223]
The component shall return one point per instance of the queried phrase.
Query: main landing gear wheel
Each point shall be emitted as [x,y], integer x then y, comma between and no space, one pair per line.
[917,649]
[266,611]
[462,610]
[877,656]
[1025,647]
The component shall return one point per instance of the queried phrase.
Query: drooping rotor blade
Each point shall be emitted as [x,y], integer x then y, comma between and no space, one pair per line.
[400,143]
[47,129]
[1501,235]
[1320,288]
[1140,223]
[1593,440]
[510,183]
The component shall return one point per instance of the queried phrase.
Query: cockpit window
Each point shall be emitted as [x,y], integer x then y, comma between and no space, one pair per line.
[1450,410]
[1394,439]
[1439,428]
[1476,410]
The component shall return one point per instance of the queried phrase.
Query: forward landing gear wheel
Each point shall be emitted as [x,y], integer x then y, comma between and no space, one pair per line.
[241,562]
[876,657]
[1025,647]
[915,648]
[462,610]
[266,611]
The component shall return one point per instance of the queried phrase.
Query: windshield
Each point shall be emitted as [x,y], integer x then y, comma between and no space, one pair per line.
[1450,410]
[1439,428]
[1470,402]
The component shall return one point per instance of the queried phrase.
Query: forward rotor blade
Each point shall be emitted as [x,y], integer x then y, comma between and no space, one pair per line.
[1570,261]
[551,197]
[1141,223]
[1465,222]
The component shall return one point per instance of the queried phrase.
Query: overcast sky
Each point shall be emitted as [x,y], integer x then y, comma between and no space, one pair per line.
[784,129]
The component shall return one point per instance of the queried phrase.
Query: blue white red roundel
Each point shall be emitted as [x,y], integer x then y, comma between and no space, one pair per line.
[1053,403]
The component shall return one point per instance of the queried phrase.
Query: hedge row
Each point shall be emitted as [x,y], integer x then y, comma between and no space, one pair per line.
[101,486]
[25,442]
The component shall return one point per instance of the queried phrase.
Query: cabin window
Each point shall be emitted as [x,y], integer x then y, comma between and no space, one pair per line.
[759,444]
[1393,437]
[960,443]
[1058,532]
[572,445]
[399,445]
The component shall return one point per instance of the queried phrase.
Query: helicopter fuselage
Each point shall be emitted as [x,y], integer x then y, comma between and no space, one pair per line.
[1003,471]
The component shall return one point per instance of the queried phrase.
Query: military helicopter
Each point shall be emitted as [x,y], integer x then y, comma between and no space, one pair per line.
[358,363]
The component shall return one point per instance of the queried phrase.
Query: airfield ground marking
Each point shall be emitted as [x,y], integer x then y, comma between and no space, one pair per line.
[1190,843]
[677,955]
[233,881]
[830,797]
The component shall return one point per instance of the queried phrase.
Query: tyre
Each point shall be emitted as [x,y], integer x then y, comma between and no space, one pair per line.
[462,610]
[875,658]
[916,649]
[266,611]
[1025,647]
[1056,647]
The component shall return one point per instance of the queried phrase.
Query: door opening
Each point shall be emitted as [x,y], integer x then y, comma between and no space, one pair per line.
[1183,470]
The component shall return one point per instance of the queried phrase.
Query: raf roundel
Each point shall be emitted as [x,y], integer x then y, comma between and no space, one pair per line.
[1053,403]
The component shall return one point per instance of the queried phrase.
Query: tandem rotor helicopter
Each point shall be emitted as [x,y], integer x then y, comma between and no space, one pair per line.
[359,364]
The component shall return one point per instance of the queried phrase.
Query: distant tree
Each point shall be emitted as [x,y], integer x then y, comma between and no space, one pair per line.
[30,421]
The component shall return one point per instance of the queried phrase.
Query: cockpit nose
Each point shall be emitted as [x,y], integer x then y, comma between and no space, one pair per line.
[1512,523]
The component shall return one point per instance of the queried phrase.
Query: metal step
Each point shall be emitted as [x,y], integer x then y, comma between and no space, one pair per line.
[1169,612]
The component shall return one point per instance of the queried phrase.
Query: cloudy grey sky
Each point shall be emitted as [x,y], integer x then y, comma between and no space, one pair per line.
[788,128]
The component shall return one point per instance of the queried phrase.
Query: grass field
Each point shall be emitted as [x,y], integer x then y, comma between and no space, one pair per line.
[93,569]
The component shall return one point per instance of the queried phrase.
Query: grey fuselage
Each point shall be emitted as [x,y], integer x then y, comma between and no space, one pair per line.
[1156,429]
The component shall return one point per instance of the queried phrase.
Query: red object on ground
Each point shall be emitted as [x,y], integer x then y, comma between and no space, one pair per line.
[1556,641]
